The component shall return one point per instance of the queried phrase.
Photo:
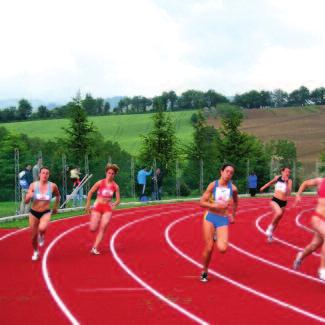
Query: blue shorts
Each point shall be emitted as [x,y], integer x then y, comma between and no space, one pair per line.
[216,220]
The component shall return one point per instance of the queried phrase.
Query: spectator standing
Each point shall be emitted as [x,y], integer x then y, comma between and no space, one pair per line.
[142,181]
[75,176]
[252,184]
[156,184]
[37,168]
[25,179]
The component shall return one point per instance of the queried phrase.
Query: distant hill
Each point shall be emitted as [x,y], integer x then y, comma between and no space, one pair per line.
[113,101]
[5,103]
[303,125]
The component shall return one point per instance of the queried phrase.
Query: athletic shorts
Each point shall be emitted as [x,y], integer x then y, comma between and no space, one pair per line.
[279,202]
[38,214]
[216,220]
[102,208]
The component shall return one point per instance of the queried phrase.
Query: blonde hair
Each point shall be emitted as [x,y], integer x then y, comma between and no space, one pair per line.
[114,167]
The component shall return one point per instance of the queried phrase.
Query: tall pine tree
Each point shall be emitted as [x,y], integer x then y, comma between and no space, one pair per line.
[80,133]
[160,143]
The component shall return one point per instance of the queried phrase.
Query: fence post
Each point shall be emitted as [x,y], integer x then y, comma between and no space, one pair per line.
[132,178]
[247,173]
[155,182]
[64,177]
[17,185]
[86,173]
[201,176]
[294,174]
[178,187]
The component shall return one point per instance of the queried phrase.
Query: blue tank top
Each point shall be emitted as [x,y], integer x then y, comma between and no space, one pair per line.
[43,196]
[221,193]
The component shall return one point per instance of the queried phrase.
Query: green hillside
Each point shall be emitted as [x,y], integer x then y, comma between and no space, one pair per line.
[124,129]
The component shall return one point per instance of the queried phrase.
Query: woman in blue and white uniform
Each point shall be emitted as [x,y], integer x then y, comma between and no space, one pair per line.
[41,193]
[282,189]
[217,198]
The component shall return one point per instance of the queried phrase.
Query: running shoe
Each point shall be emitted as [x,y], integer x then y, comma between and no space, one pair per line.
[35,256]
[204,277]
[297,262]
[41,240]
[94,251]
[269,234]
[321,273]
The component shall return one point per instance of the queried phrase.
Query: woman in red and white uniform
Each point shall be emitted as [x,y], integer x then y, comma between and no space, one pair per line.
[101,212]
[317,222]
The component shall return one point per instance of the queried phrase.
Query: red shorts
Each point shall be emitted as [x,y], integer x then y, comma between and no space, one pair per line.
[102,208]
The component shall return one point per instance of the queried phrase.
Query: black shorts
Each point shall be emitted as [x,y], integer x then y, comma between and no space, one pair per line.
[38,214]
[279,202]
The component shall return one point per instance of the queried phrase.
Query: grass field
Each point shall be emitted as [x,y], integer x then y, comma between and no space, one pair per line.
[124,129]
[303,125]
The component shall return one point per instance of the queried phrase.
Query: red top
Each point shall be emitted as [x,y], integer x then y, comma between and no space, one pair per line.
[106,191]
[321,189]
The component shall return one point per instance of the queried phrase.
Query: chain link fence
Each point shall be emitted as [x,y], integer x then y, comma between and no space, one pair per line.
[183,179]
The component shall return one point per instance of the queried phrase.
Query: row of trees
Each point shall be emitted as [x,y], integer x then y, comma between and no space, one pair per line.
[81,139]
[24,110]
[195,99]
[169,101]
[211,146]
[280,98]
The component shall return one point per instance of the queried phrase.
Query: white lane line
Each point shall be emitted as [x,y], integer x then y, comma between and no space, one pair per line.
[26,228]
[46,275]
[111,290]
[13,233]
[118,213]
[236,283]
[276,265]
[48,281]
[141,281]
[299,224]
[284,242]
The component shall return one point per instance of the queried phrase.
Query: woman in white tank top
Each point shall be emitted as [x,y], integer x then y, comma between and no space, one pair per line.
[40,214]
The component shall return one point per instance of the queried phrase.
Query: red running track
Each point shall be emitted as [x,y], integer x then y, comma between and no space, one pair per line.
[149,271]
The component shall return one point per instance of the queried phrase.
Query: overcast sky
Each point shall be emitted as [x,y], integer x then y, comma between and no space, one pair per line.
[50,49]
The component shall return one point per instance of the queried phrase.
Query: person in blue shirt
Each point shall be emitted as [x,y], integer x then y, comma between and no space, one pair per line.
[252,183]
[142,181]
[25,179]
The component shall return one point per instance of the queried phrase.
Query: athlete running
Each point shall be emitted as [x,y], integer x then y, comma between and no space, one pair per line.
[282,190]
[40,214]
[317,222]
[217,198]
[101,212]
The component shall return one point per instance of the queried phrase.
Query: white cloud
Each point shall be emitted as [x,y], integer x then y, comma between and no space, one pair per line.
[50,49]
[288,69]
